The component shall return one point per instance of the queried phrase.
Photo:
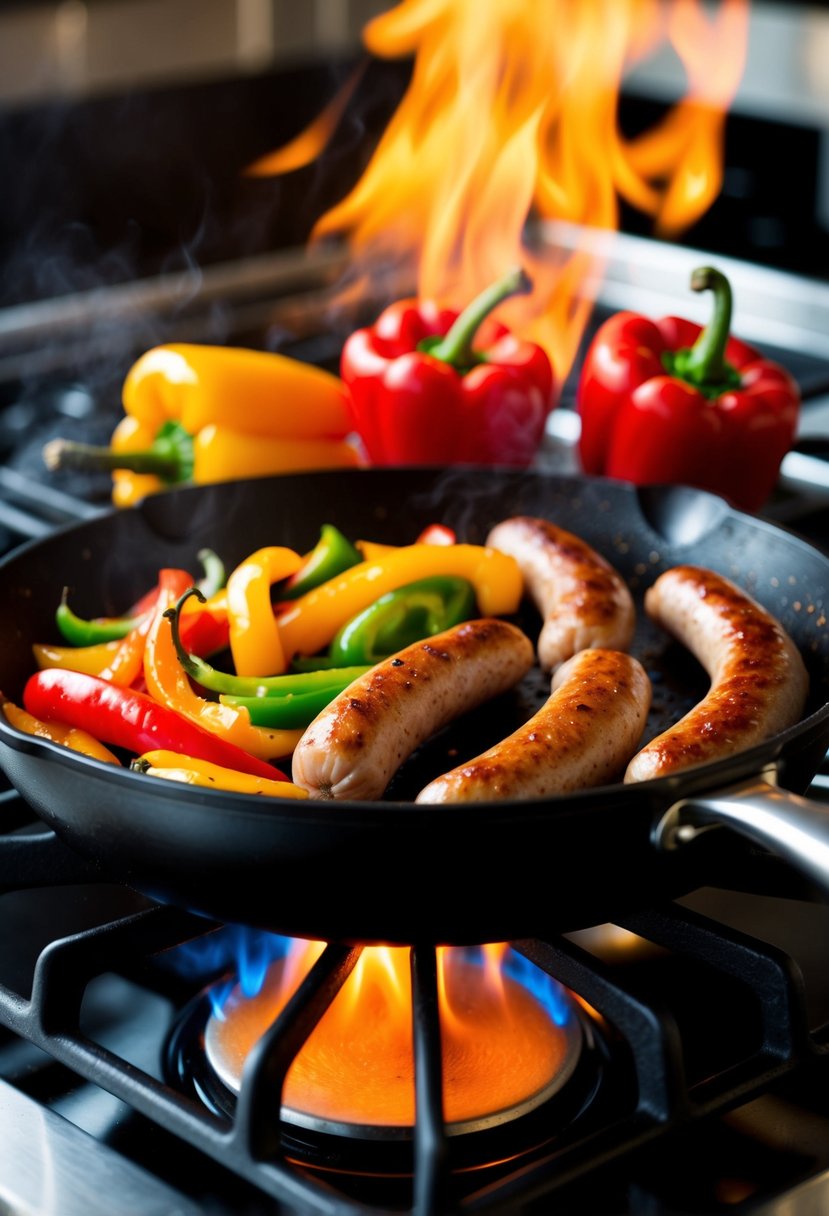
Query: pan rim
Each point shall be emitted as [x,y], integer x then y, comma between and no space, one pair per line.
[749,761]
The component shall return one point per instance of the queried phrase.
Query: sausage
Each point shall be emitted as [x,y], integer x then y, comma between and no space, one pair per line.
[583,736]
[583,601]
[759,683]
[354,746]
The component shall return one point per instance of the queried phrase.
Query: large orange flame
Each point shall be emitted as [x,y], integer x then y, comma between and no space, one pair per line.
[502,1045]
[512,114]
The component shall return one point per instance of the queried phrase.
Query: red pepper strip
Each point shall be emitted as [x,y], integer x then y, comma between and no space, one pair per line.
[436,534]
[130,720]
[667,401]
[128,661]
[423,390]
[204,634]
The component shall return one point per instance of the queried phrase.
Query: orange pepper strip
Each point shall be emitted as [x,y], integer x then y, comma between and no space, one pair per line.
[168,683]
[254,637]
[128,660]
[174,767]
[78,740]
[310,622]
[91,660]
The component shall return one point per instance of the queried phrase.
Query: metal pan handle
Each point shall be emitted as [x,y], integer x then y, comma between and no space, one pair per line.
[793,828]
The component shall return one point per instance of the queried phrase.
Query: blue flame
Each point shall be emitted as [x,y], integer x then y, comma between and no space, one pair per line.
[243,956]
[549,993]
[246,953]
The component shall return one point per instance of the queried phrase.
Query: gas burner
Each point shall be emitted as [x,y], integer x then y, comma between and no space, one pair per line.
[522,1060]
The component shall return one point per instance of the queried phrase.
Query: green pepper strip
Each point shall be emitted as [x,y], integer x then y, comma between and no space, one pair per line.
[332,555]
[214,573]
[255,687]
[295,710]
[402,617]
[79,632]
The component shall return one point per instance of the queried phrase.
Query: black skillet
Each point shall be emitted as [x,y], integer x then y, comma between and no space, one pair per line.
[395,871]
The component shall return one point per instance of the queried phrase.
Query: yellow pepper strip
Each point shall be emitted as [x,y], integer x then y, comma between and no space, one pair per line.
[262,393]
[255,642]
[167,682]
[70,736]
[90,659]
[310,622]
[221,453]
[372,550]
[173,767]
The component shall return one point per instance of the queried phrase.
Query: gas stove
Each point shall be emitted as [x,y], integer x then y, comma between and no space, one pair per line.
[680,1060]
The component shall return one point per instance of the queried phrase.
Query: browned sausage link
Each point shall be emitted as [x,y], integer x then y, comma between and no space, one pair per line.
[352,748]
[759,684]
[583,736]
[583,601]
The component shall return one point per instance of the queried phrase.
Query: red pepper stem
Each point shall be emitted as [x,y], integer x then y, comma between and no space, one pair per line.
[705,362]
[456,347]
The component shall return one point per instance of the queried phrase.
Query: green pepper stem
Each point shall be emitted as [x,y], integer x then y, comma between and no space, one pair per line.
[705,362]
[456,346]
[200,671]
[169,456]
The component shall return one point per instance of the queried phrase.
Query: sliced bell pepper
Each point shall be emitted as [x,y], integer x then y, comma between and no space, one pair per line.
[130,720]
[421,390]
[255,687]
[332,554]
[294,710]
[69,736]
[211,413]
[399,618]
[128,660]
[255,642]
[89,659]
[171,766]
[311,622]
[80,632]
[668,402]
[168,683]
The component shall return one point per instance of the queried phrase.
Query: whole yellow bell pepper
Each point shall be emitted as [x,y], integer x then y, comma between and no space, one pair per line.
[212,413]
[310,622]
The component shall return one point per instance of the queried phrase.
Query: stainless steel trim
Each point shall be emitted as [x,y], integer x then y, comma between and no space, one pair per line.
[49,1165]
[794,828]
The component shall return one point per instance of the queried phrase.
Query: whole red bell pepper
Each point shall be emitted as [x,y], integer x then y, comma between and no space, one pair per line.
[669,402]
[423,390]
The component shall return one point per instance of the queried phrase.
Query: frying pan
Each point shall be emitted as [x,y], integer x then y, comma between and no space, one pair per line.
[393,871]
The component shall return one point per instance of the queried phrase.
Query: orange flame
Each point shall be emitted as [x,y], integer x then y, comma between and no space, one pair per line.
[501,1047]
[512,115]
